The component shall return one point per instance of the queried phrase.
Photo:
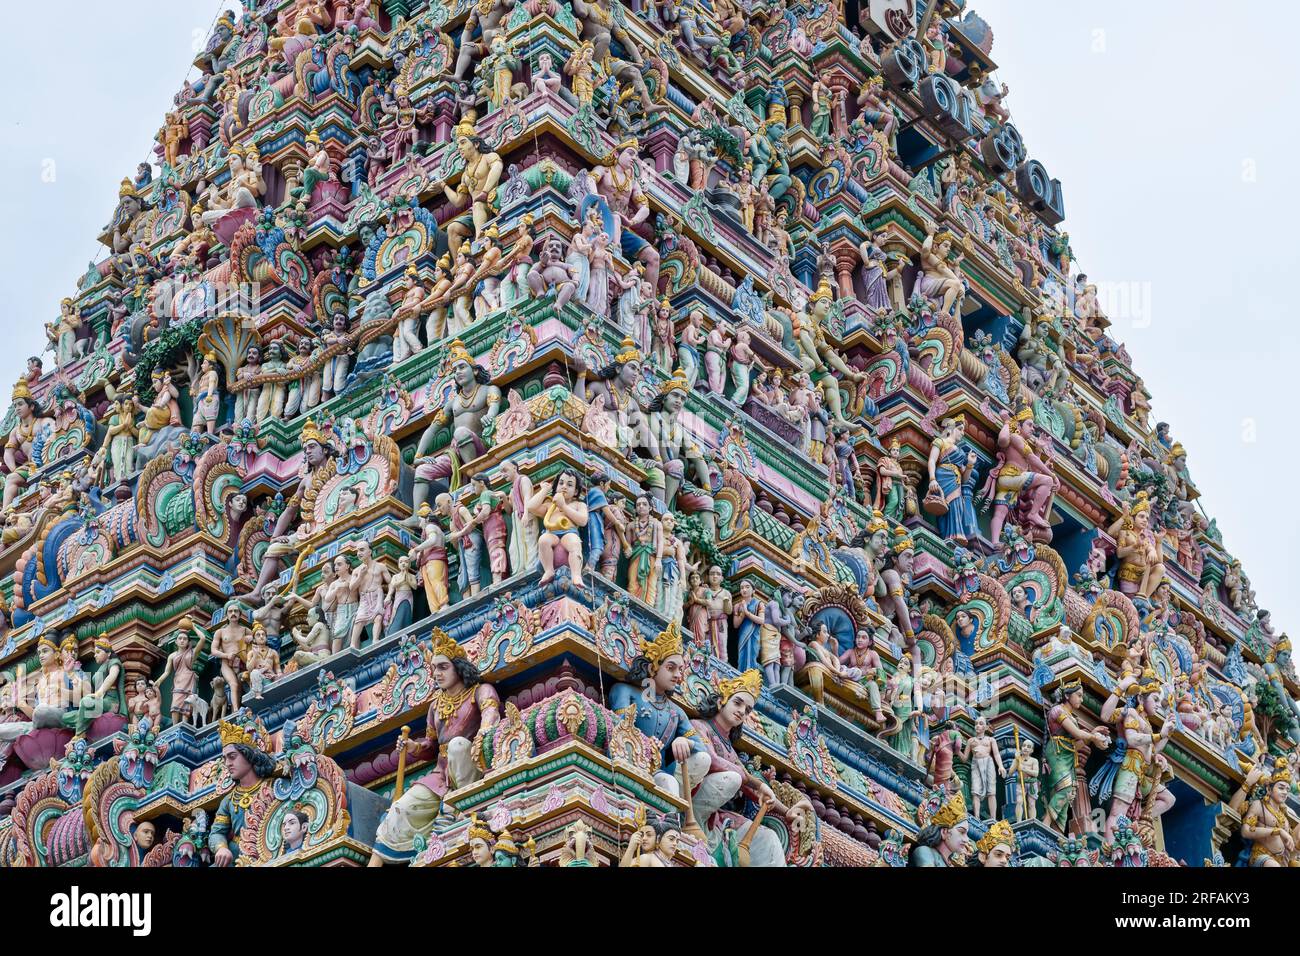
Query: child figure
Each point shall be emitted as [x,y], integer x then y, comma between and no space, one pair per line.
[1024,768]
[262,663]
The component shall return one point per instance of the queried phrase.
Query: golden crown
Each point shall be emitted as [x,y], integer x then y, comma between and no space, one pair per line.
[1143,503]
[48,642]
[1000,834]
[1150,683]
[22,391]
[750,682]
[902,540]
[444,646]
[456,352]
[628,353]
[877,523]
[310,432]
[676,383]
[668,643]
[1281,771]
[235,734]
[313,137]
[951,813]
[102,643]
[824,291]
[69,643]
[478,830]
[1071,686]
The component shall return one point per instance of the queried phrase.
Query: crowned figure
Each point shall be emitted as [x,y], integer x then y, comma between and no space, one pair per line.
[461,705]
[654,674]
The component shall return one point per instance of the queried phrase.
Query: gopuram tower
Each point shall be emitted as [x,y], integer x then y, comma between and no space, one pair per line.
[562,432]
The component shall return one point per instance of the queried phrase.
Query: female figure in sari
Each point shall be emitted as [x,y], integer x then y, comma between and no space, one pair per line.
[952,476]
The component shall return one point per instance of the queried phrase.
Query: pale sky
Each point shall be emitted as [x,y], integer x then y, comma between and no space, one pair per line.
[1170,124]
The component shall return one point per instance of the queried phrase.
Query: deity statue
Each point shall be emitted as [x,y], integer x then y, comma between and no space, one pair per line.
[228,644]
[719,727]
[1023,481]
[981,751]
[1061,752]
[473,404]
[247,765]
[645,549]
[461,706]
[1023,783]
[106,696]
[1266,825]
[1141,557]
[620,185]
[478,182]
[952,482]
[1131,779]
[997,848]
[939,279]
[652,678]
[430,554]
[653,844]
[944,840]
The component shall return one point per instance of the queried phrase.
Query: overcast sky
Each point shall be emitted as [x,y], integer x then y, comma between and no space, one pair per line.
[1170,124]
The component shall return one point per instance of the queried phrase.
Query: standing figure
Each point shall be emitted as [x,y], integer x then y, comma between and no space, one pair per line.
[1023,784]
[523,526]
[742,363]
[1061,753]
[228,643]
[180,667]
[369,579]
[468,537]
[716,345]
[718,606]
[488,512]
[668,596]
[399,603]
[952,481]
[120,439]
[343,597]
[206,391]
[645,551]
[982,752]
[688,348]
[1133,773]
[431,557]
[461,706]
[748,617]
